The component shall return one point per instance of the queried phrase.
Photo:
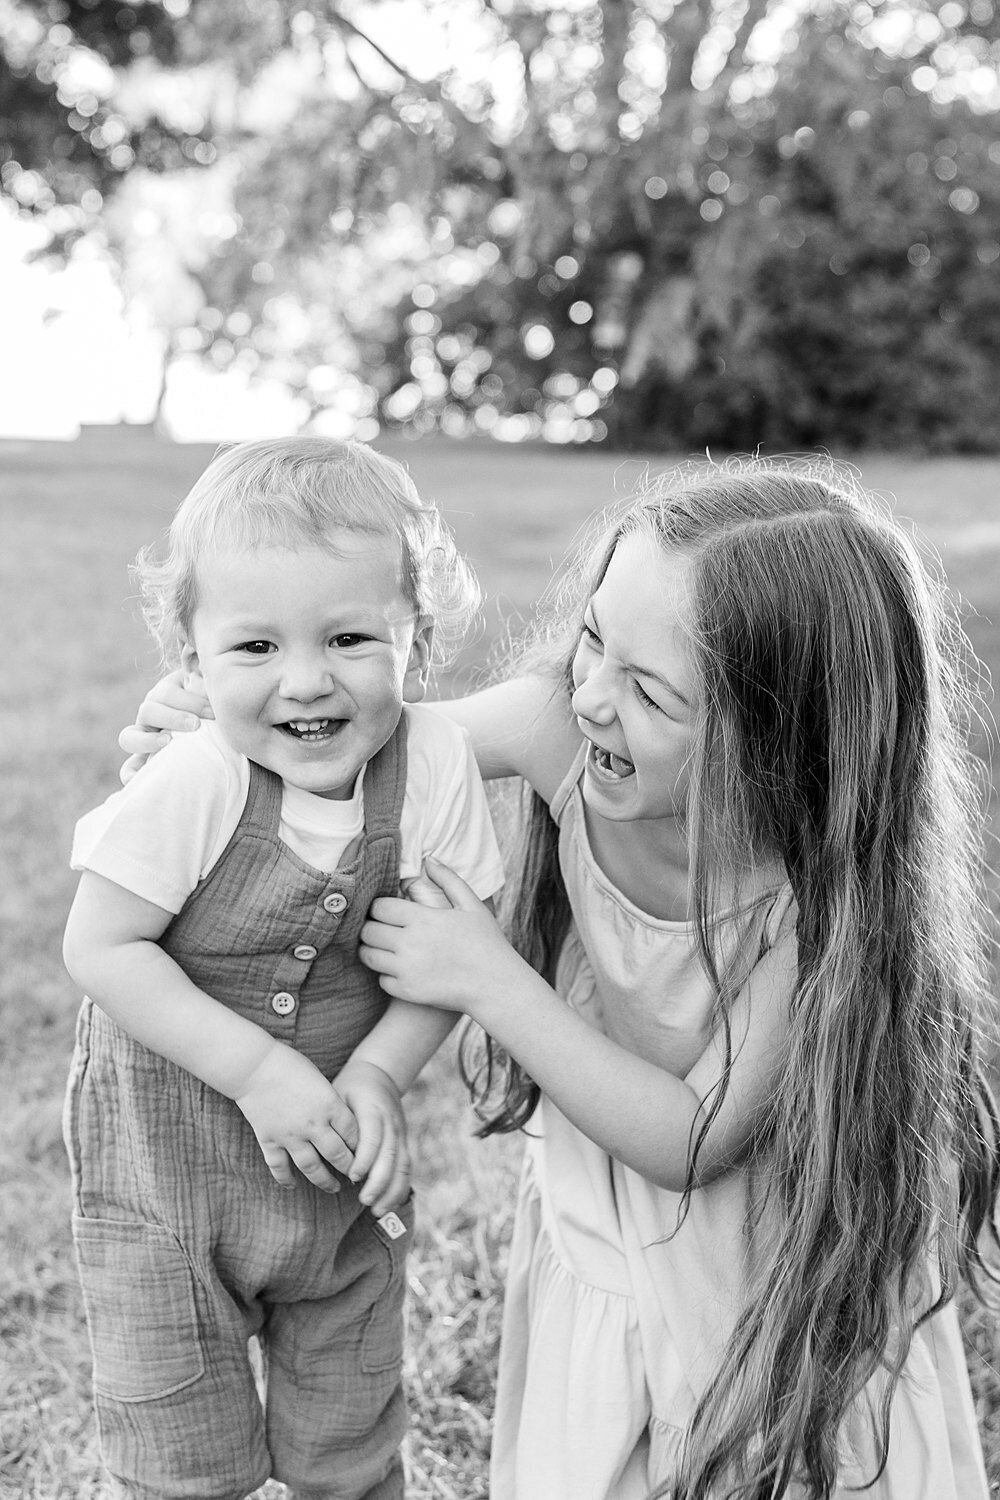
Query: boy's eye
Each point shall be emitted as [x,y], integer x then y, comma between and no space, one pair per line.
[350,638]
[256,648]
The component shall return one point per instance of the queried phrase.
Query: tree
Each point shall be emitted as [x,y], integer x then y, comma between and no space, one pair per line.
[683,221]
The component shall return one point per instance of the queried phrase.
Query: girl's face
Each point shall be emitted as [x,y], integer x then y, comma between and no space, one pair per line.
[308,655]
[632,676]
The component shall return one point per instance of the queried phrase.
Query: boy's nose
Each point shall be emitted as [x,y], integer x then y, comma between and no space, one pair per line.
[305,679]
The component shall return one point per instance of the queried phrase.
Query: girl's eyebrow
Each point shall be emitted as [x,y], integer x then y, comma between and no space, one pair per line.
[648,672]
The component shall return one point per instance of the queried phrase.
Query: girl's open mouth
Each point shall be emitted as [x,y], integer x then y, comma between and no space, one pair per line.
[613,767]
[311,730]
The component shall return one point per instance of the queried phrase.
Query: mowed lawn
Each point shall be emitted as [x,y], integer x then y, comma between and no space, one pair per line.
[77,664]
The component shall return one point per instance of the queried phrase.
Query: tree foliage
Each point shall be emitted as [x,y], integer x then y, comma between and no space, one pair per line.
[684,222]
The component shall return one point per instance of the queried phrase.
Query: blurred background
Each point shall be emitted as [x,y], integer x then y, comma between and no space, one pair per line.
[653,223]
[531,250]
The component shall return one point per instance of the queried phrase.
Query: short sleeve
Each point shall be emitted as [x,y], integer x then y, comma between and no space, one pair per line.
[445,812]
[162,833]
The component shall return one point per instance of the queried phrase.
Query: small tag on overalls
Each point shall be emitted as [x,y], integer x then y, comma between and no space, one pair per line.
[392,1225]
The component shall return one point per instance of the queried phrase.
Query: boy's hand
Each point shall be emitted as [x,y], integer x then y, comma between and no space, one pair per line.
[452,958]
[298,1117]
[168,708]
[382,1155]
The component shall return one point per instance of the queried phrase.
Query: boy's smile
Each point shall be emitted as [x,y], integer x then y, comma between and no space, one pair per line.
[308,655]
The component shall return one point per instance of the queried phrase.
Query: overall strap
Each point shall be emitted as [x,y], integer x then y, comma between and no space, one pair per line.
[385,786]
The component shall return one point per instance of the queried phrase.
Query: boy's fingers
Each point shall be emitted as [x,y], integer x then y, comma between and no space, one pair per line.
[340,1118]
[395,1191]
[331,1147]
[279,1165]
[389,1178]
[312,1165]
[369,1141]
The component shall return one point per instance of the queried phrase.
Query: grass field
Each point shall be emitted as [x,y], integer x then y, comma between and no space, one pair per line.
[77,665]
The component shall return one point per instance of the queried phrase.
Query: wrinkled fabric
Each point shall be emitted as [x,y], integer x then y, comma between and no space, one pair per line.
[617,1307]
[186,1244]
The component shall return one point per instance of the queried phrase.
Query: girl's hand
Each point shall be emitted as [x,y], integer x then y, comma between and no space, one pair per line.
[455,957]
[298,1118]
[382,1156]
[175,705]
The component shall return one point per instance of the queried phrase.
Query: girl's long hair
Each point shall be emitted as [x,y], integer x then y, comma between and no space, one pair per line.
[833,720]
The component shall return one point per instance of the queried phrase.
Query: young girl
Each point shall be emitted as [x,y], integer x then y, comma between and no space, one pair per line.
[215,930]
[762,1153]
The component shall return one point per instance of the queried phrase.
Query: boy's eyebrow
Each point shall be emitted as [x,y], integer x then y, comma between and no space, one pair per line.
[638,671]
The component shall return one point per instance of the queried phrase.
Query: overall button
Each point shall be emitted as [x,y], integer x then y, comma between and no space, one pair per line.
[305,951]
[335,903]
[283,1003]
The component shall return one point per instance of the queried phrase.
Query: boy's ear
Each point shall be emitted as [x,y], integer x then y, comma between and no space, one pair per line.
[191,667]
[419,664]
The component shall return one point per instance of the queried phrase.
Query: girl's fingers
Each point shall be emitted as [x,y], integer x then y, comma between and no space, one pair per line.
[454,887]
[377,959]
[129,768]
[392,910]
[378,935]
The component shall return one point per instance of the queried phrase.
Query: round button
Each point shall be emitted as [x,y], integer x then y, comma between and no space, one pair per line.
[335,903]
[283,1003]
[305,951]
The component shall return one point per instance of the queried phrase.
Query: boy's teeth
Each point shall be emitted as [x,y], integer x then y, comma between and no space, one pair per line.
[304,726]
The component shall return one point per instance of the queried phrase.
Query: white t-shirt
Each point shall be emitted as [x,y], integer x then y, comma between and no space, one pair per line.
[162,833]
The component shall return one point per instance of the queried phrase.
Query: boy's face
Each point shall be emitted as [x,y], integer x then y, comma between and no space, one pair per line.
[308,655]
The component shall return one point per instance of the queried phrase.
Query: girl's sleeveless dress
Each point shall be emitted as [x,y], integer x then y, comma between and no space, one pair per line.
[614,1321]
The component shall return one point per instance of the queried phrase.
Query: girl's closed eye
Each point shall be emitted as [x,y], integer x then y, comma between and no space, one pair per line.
[645,699]
[590,635]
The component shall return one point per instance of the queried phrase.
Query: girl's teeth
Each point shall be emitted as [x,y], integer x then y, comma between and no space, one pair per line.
[615,765]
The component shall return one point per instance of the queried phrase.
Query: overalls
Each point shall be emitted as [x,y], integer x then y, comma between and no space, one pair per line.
[187,1245]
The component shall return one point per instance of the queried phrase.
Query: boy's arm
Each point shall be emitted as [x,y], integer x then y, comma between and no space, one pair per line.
[111,950]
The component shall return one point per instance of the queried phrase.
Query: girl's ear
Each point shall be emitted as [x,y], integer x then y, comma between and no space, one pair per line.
[419,663]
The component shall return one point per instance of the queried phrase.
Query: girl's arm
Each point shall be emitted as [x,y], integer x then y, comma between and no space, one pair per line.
[634,1110]
[380,1070]
[111,950]
[524,727]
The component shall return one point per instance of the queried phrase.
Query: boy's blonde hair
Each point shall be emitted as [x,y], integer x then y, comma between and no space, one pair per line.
[296,492]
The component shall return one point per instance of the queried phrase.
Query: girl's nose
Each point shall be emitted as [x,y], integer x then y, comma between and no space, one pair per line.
[592,698]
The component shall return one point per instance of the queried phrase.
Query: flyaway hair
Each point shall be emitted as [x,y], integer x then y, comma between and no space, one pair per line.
[301,492]
[833,722]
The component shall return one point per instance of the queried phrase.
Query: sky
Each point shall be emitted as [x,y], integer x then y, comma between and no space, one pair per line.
[69,357]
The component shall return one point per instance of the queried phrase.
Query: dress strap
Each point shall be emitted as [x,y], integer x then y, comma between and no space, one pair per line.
[563,791]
